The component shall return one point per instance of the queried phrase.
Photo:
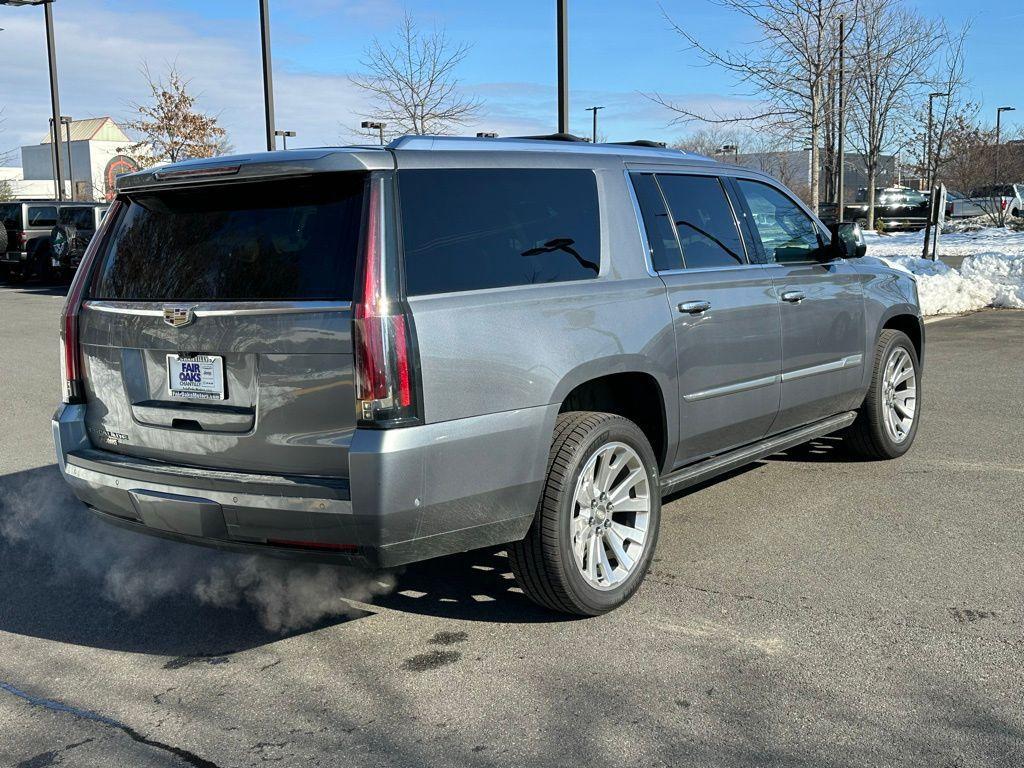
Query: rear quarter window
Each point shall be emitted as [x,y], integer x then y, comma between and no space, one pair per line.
[293,239]
[80,218]
[470,229]
[10,216]
[42,216]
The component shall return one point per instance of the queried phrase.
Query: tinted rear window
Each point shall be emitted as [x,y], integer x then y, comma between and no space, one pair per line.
[80,218]
[470,229]
[42,216]
[281,240]
[10,215]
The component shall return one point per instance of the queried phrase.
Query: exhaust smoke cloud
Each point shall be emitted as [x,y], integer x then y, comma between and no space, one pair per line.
[41,519]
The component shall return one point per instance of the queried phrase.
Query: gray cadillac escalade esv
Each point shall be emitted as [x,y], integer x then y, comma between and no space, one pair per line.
[381,355]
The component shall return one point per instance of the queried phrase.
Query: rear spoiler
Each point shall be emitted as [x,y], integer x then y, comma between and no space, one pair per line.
[264,165]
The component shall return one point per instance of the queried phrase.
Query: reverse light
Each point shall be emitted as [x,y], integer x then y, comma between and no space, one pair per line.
[381,331]
[72,374]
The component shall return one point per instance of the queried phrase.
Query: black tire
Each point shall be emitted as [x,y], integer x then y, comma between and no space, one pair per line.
[868,437]
[543,562]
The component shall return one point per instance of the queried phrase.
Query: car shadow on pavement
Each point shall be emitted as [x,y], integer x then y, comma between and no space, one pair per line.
[472,586]
[69,577]
[829,449]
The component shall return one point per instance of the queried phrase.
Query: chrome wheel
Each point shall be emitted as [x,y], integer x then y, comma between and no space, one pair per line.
[899,394]
[611,514]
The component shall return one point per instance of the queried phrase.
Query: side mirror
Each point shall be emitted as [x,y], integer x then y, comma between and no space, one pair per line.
[848,240]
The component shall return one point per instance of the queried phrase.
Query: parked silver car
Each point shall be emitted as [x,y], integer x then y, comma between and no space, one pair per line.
[382,355]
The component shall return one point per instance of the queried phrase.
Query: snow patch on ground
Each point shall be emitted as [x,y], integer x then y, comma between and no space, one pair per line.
[992,274]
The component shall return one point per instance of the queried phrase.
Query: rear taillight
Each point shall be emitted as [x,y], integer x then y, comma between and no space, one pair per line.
[20,241]
[1002,204]
[949,210]
[72,388]
[385,370]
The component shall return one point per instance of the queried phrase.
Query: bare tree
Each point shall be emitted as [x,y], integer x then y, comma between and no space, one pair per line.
[412,81]
[892,49]
[785,68]
[170,127]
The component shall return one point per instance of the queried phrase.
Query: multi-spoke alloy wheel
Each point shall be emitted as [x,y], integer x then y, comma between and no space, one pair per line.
[899,392]
[888,419]
[596,527]
[611,512]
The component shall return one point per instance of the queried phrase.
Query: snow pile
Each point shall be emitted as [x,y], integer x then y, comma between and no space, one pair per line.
[992,274]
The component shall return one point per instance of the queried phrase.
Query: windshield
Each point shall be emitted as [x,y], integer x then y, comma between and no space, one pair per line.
[283,240]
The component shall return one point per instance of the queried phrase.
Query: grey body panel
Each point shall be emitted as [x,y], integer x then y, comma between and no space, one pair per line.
[281,457]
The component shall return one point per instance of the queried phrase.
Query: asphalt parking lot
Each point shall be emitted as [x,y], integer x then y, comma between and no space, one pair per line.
[807,611]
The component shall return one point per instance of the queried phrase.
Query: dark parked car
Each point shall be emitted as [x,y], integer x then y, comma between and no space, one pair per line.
[76,225]
[29,226]
[383,355]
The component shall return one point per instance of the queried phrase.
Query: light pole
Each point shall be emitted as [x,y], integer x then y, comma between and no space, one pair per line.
[594,110]
[373,125]
[51,53]
[268,74]
[66,122]
[284,137]
[735,149]
[928,151]
[999,117]
[563,65]
[841,121]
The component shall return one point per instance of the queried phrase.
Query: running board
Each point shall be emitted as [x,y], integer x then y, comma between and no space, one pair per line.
[717,465]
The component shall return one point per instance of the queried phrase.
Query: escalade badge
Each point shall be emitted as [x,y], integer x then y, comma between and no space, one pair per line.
[178,316]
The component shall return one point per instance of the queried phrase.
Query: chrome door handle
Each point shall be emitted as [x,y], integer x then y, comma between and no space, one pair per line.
[793,297]
[694,307]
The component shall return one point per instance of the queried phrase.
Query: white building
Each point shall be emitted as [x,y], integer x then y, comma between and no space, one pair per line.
[95,157]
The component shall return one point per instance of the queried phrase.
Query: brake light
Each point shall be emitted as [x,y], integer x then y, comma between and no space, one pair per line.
[382,332]
[20,241]
[1002,204]
[72,374]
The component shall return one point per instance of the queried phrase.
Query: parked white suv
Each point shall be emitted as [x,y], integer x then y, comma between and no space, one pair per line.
[997,201]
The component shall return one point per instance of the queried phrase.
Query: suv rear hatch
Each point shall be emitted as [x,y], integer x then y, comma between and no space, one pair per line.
[216,328]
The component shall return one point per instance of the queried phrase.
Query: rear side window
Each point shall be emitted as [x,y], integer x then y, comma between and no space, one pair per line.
[42,216]
[704,221]
[469,229]
[661,234]
[79,218]
[282,240]
[10,215]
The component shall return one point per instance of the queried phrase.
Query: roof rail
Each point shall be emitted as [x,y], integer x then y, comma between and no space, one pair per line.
[640,143]
[554,137]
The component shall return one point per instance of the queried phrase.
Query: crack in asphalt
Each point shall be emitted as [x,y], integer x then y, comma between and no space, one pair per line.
[190,758]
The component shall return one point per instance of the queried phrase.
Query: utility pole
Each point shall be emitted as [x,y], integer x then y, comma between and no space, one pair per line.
[563,66]
[594,110]
[929,181]
[66,122]
[268,74]
[51,52]
[841,122]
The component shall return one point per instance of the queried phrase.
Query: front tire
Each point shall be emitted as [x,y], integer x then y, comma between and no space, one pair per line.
[596,526]
[887,422]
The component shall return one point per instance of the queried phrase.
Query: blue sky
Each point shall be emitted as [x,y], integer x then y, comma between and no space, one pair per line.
[618,50]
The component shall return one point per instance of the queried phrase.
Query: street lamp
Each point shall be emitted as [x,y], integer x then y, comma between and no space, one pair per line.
[284,137]
[51,53]
[734,148]
[268,74]
[999,116]
[928,152]
[373,125]
[594,110]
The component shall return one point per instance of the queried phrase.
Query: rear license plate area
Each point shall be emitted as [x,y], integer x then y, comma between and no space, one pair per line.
[195,377]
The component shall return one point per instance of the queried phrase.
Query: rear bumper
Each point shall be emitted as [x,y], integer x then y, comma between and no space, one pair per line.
[413,493]
[14,257]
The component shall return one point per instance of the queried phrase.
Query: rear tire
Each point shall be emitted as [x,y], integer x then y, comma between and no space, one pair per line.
[891,412]
[587,558]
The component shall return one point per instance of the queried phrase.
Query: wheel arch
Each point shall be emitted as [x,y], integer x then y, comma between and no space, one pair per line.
[634,394]
[910,323]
